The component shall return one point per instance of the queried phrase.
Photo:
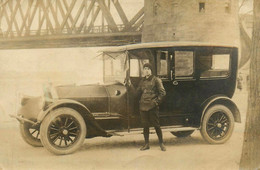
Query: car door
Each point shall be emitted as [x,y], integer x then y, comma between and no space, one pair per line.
[117,107]
[175,67]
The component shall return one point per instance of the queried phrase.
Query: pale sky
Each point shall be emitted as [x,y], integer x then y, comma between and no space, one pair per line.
[247,7]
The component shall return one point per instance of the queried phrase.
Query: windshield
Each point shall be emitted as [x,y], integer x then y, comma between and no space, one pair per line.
[115,65]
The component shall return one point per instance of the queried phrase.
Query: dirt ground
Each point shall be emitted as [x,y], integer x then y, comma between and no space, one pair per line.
[123,152]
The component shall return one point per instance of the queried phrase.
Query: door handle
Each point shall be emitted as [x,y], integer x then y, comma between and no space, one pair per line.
[117,92]
[175,83]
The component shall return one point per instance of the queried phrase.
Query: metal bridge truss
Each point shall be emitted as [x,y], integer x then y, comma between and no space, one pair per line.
[67,23]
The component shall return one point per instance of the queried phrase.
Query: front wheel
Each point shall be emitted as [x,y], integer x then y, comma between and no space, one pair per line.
[217,125]
[63,131]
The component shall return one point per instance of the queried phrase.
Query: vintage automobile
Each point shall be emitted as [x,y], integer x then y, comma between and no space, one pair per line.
[199,79]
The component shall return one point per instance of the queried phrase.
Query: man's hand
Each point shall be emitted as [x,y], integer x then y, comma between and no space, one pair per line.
[127,82]
[156,103]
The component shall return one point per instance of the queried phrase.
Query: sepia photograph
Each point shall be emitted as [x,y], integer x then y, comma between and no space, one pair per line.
[129,84]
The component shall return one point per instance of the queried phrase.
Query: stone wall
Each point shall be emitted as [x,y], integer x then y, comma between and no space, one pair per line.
[191,20]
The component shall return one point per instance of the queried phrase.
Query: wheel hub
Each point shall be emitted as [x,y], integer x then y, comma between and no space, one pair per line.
[65,132]
[219,125]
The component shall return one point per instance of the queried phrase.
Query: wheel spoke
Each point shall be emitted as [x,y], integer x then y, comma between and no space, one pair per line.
[211,124]
[55,123]
[217,116]
[216,133]
[221,118]
[54,134]
[212,132]
[210,120]
[65,141]
[70,124]
[34,131]
[222,130]
[53,128]
[58,122]
[209,129]
[37,134]
[66,121]
[70,139]
[224,121]
[56,137]
[73,128]
[226,125]
[60,141]
[72,133]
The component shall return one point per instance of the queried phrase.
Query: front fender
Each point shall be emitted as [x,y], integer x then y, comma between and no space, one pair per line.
[59,103]
[224,100]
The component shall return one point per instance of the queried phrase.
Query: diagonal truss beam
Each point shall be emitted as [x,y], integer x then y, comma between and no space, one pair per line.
[13,19]
[93,19]
[139,14]
[67,9]
[108,16]
[63,16]
[25,19]
[66,17]
[82,6]
[68,14]
[83,23]
[121,12]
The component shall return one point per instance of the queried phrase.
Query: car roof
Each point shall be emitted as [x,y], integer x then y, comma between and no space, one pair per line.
[162,44]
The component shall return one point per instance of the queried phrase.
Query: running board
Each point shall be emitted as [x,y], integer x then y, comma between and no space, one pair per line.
[140,130]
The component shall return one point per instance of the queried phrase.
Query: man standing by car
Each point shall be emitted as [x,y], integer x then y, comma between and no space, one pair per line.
[152,93]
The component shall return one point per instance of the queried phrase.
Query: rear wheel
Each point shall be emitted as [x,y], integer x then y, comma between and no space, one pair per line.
[217,125]
[30,134]
[63,131]
[182,134]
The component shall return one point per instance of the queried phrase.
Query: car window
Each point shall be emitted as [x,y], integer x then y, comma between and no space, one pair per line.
[162,63]
[184,64]
[213,65]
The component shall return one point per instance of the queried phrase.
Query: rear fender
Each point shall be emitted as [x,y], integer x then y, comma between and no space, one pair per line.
[223,100]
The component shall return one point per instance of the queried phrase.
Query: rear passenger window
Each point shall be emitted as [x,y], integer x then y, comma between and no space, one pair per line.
[213,65]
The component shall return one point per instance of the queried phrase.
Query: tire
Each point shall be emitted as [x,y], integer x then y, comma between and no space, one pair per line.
[182,134]
[63,131]
[30,134]
[217,125]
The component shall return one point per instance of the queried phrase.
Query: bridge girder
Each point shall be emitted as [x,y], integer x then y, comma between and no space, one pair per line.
[63,23]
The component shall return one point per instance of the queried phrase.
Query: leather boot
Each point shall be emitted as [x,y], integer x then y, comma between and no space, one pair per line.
[162,146]
[145,147]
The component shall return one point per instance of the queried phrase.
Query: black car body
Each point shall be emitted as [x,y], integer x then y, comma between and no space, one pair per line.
[199,79]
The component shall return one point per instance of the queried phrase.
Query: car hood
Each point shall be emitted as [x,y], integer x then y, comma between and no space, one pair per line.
[82,91]
[96,97]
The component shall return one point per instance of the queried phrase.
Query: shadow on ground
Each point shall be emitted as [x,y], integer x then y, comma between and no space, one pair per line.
[111,143]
